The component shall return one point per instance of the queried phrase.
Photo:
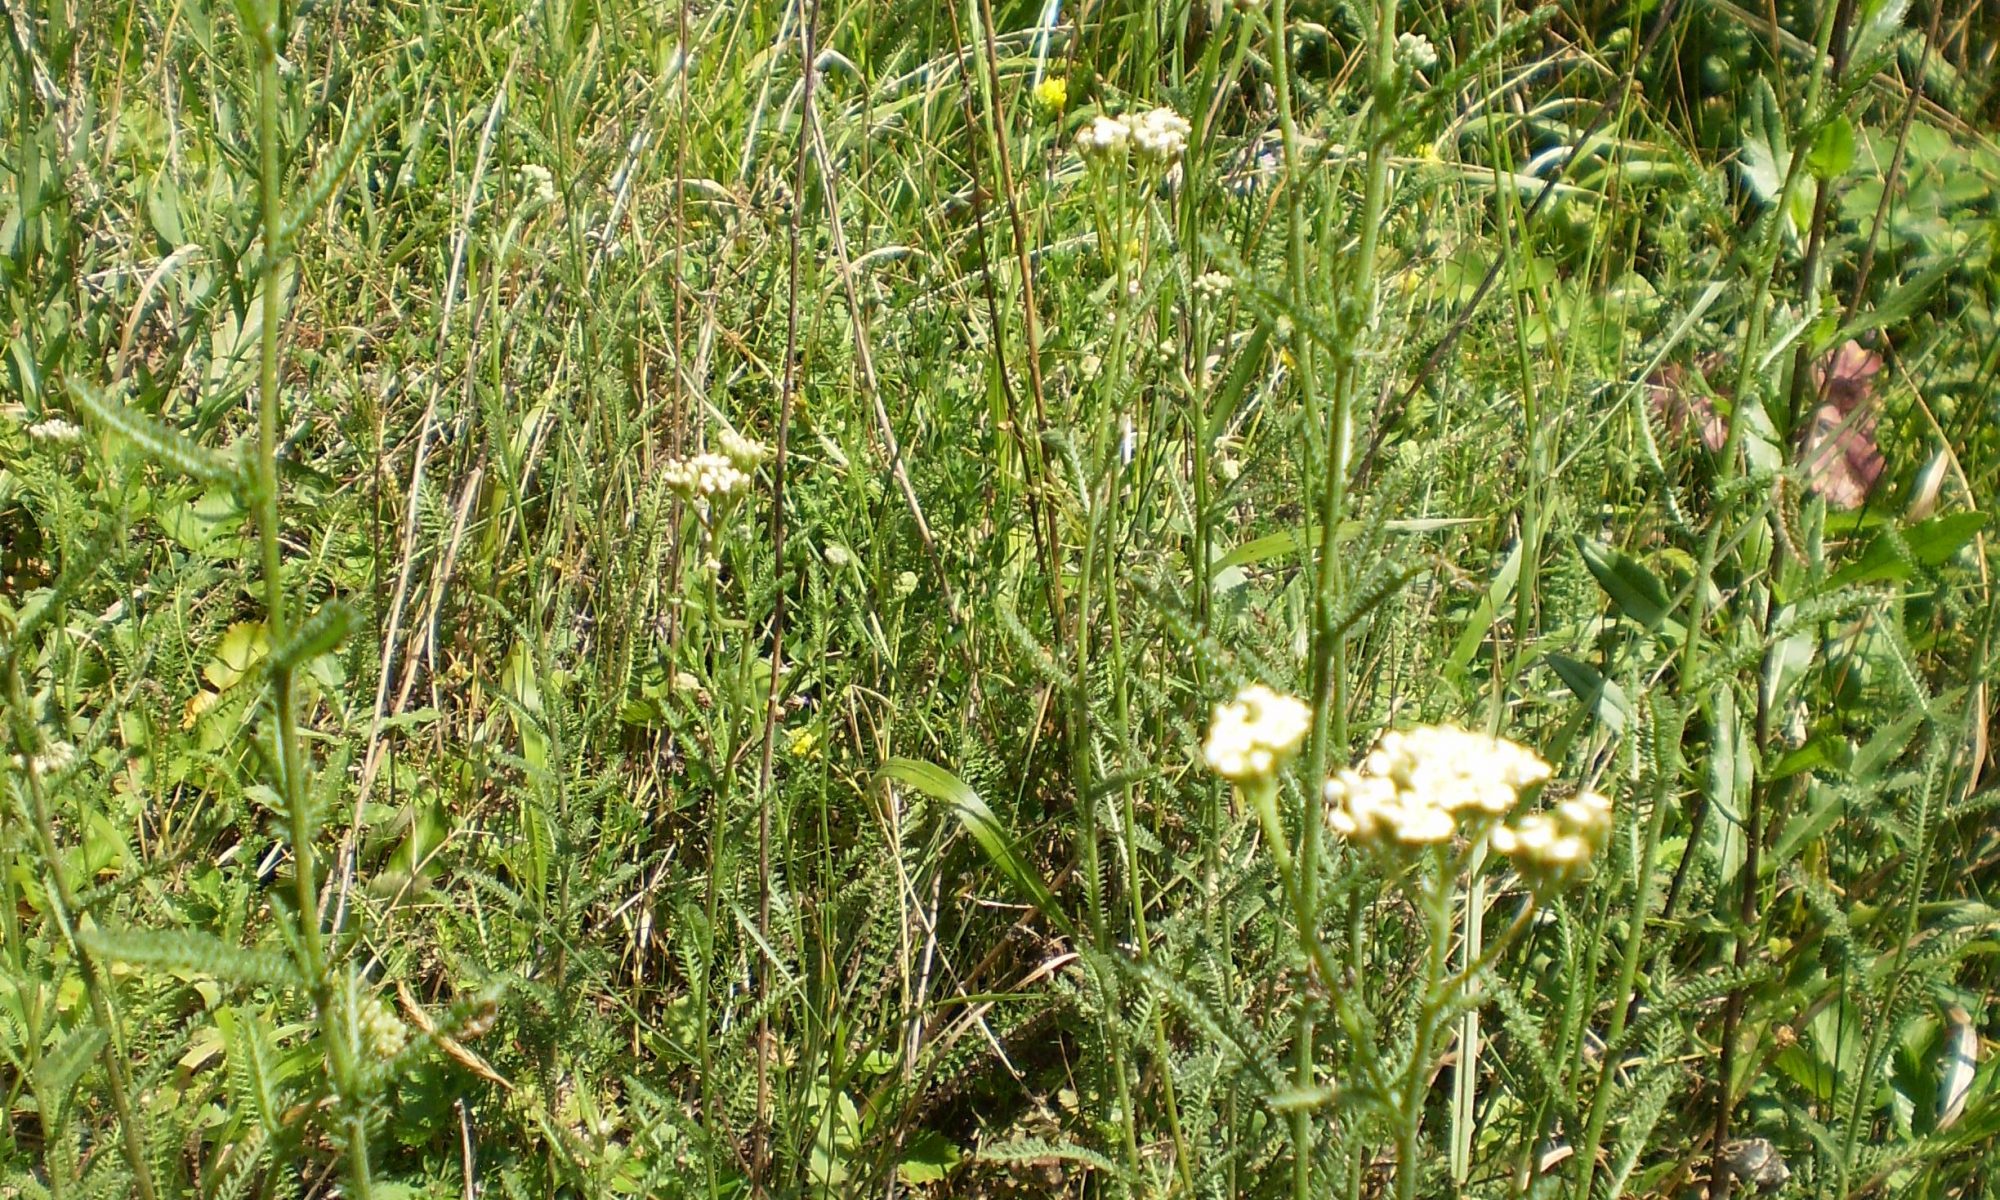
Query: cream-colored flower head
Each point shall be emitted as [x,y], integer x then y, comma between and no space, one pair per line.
[706,477]
[1554,847]
[1255,734]
[55,429]
[1104,138]
[1159,136]
[1416,786]
[1466,774]
[745,453]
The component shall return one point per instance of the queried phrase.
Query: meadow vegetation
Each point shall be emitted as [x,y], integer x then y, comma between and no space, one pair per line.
[999,598]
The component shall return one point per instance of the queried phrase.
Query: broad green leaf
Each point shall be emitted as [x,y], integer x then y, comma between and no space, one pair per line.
[1833,149]
[1600,695]
[993,837]
[928,1158]
[1636,591]
[243,646]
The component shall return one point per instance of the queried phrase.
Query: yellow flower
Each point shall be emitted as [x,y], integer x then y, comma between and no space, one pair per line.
[1052,96]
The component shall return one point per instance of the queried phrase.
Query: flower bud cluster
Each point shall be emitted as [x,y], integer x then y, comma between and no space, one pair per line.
[1156,138]
[706,476]
[382,1031]
[1553,847]
[1255,734]
[718,476]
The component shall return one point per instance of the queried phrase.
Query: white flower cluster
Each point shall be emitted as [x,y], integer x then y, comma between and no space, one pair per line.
[706,476]
[382,1031]
[59,756]
[1156,138]
[1416,786]
[1104,137]
[1550,847]
[1416,50]
[718,476]
[1255,734]
[55,429]
[747,453]
[537,182]
[1160,135]
[1213,285]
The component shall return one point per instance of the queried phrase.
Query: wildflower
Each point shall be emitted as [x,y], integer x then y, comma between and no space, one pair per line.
[1052,96]
[837,556]
[1103,138]
[55,429]
[1213,285]
[706,476]
[1552,847]
[58,757]
[746,453]
[535,179]
[1416,786]
[1416,50]
[1255,734]
[1159,136]
[382,1032]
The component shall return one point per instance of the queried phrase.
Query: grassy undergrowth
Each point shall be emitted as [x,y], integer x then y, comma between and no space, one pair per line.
[427,775]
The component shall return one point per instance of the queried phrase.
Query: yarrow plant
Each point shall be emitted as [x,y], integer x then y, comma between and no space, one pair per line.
[1423,805]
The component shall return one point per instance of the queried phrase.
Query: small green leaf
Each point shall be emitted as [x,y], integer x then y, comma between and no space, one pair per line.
[985,828]
[929,1158]
[1636,591]
[1833,149]
[1600,695]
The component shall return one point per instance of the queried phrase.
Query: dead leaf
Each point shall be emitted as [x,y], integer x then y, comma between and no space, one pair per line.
[1680,396]
[1838,450]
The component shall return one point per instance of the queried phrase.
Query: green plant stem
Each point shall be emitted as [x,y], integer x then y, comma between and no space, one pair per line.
[1666,771]
[63,908]
[1409,1110]
[339,1046]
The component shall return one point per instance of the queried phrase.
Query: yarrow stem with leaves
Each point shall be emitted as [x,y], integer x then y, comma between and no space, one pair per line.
[334,1004]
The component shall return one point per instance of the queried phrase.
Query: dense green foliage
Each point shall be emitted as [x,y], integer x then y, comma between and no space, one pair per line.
[415,785]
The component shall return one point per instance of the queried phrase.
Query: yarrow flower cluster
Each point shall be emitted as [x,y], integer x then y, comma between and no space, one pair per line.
[1416,50]
[718,476]
[59,756]
[1156,138]
[1255,734]
[55,429]
[1104,138]
[746,453]
[1417,785]
[1551,847]
[536,180]
[1213,285]
[1160,135]
[382,1031]
[706,476]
